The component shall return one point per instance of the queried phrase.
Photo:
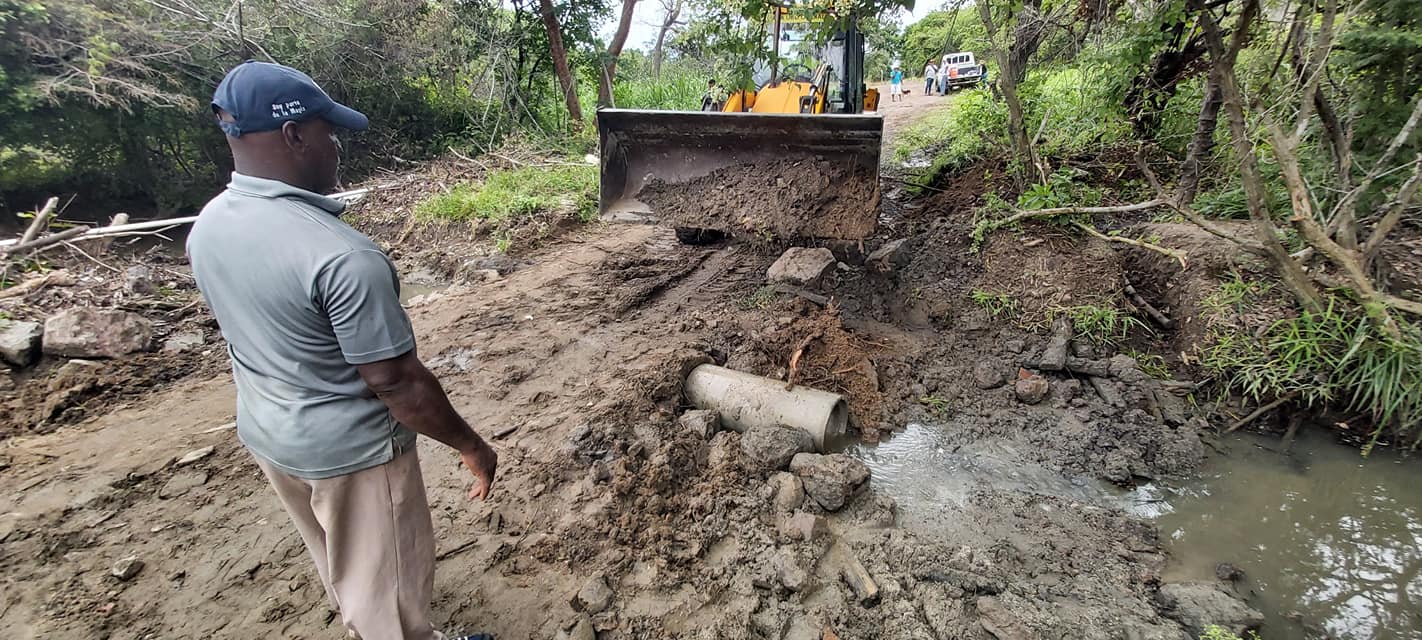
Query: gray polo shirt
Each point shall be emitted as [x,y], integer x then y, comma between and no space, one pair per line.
[301,298]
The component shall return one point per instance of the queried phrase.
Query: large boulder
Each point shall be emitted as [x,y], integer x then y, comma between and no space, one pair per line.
[830,480]
[1197,605]
[96,333]
[20,342]
[801,266]
[770,448]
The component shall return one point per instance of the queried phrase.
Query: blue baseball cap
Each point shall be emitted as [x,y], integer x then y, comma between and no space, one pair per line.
[261,96]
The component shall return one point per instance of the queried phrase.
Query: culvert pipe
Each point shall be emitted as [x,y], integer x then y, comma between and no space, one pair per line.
[745,400]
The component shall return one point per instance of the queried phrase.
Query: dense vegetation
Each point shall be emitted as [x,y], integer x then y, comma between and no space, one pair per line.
[1296,120]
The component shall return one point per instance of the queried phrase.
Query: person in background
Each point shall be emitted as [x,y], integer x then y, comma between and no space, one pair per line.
[330,391]
[943,70]
[896,84]
[715,97]
[930,75]
[983,76]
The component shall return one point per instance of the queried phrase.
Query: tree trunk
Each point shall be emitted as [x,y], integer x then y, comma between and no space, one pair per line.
[1012,64]
[560,63]
[1200,145]
[673,11]
[614,49]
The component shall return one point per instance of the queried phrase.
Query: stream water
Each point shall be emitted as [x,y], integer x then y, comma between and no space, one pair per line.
[1330,542]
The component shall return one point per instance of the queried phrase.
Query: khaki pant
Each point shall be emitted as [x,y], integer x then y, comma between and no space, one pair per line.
[370,535]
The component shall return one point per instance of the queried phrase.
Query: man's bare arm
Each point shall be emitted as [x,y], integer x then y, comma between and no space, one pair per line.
[416,399]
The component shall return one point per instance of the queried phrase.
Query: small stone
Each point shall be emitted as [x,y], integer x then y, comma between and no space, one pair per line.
[1014,346]
[803,526]
[702,422]
[195,455]
[581,629]
[81,332]
[787,491]
[138,281]
[486,275]
[1054,358]
[186,341]
[1228,572]
[127,568]
[1197,605]
[770,448]
[594,597]
[20,342]
[988,375]
[789,572]
[599,472]
[182,482]
[802,266]
[893,255]
[1032,389]
[831,480]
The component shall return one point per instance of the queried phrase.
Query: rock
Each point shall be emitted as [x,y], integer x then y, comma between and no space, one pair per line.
[186,341]
[20,342]
[1014,346]
[476,269]
[195,455]
[127,568]
[1197,605]
[1126,369]
[987,375]
[1172,407]
[803,527]
[594,597]
[1228,572]
[1082,349]
[1109,391]
[770,448]
[581,629]
[883,512]
[1065,390]
[138,281]
[485,275]
[181,483]
[96,333]
[789,572]
[801,266]
[804,627]
[893,255]
[1032,389]
[787,491]
[831,480]
[1054,358]
[702,422]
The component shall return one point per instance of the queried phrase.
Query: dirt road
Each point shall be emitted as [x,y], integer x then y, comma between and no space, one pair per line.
[577,356]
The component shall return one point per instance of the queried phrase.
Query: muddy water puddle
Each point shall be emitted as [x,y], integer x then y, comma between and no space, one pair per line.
[1330,543]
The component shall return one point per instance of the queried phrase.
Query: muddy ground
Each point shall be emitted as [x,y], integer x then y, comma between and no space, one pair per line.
[575,351]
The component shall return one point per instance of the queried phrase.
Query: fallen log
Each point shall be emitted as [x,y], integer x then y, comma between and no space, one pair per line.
[1073,364]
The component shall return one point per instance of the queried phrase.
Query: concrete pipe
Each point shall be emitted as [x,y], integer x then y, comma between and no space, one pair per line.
[746,400]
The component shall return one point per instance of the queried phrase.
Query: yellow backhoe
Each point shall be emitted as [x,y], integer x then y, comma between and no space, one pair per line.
[796,158]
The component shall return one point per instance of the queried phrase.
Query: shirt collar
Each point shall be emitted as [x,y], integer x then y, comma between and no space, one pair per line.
[265,188]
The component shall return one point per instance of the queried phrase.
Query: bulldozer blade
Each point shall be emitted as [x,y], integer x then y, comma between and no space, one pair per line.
[786,175]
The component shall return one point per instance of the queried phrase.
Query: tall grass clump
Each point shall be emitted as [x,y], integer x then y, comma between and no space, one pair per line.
[508,195]
[677,89]
[1335,358]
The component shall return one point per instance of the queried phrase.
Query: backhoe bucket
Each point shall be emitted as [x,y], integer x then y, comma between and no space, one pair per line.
[781,175]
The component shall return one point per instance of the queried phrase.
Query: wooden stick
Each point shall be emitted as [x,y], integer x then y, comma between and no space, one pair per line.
[53,238]
[1165,251]
[795,358]
[1140,301]
[1047,213]
[41,219]
[1261,411]
[59,278]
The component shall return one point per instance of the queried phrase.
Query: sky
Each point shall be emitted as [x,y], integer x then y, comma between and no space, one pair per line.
[648,13]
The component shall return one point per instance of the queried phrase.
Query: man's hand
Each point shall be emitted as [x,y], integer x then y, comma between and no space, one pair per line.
[482,462]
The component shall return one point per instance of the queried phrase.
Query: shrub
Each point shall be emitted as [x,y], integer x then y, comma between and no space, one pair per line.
[507,195]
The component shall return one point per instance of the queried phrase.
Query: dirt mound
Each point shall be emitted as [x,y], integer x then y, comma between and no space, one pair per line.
[831,358]
[793,199]
[1044,272]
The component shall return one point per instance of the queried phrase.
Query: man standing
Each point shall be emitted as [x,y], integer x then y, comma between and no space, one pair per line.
[930,73]
[896,84]
[330,392]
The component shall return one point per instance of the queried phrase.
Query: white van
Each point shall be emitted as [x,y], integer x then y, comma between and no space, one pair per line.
[960,70]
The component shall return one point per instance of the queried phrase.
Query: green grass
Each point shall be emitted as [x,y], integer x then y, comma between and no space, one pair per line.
[1234,294]
[1152,364]
[938,406]
[509,195]
[1334,358]
[1099,324]
[761,299]
[1216,632]
[998,305]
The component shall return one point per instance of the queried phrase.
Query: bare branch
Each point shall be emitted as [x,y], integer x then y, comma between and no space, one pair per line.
[1175,254]
[1059,211]
[1394,211]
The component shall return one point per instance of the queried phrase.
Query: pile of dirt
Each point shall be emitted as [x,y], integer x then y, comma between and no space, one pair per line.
[155,283]
[789,199]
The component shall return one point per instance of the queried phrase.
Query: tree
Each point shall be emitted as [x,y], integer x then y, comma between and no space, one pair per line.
[1028,28]
[559,53]
[671,11]
[614,49]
